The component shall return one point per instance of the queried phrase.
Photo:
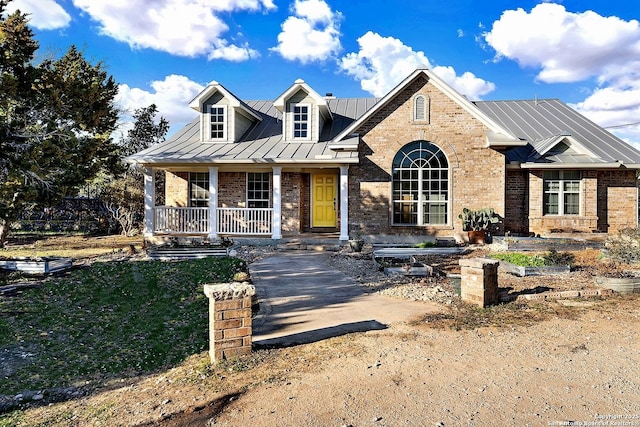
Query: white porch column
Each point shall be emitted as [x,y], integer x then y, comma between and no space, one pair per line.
[277,203]
[149,200]
[213,203]
[344,202]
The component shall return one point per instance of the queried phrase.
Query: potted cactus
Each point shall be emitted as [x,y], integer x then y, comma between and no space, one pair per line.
[477,223]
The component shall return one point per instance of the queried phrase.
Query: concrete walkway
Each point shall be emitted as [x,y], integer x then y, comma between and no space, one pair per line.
[303,299]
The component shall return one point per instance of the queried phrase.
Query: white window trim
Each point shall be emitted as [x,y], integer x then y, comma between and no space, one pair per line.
[420,204]
[422,200]
[269,199]
[309,121]
[206,128]
[190,188]
[561,192]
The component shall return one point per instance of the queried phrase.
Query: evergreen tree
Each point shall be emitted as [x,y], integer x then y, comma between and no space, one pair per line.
[56,120]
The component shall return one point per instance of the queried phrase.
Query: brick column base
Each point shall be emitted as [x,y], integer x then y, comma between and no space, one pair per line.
[479,281]
[229,319]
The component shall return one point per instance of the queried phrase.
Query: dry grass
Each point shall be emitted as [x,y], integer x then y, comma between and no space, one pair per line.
[76,247]
[464,316]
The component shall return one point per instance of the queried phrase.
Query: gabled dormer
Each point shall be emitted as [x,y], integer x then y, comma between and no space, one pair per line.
[223,117]
[304,113]
[561,148]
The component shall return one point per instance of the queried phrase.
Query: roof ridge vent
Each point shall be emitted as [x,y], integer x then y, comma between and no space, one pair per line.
[299,81]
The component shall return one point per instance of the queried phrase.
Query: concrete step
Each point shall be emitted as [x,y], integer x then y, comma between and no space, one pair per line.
[168,253]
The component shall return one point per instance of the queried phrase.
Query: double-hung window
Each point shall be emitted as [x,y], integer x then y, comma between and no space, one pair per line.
[217,119]
[199,189]
[258,189]
[561,193]
[301,121]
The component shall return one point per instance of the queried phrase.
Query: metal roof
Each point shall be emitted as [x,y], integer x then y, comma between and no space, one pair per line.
[546,122]
[263,143]
[543,123]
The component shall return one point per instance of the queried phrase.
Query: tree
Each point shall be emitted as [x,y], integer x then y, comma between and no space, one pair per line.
[56,119]
[145,132]
[123,196]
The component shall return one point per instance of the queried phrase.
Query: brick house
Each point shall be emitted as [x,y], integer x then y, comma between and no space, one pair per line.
[404,164]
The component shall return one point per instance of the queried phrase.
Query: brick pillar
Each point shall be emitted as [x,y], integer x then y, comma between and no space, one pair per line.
[229,319]
[479,281]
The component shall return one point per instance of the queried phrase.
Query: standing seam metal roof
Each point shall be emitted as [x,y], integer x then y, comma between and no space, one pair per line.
[542,123]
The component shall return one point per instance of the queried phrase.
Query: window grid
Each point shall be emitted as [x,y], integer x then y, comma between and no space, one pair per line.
[258,189]
[300,121]
[217,122]
[561,193]
[199,189]
[420,185]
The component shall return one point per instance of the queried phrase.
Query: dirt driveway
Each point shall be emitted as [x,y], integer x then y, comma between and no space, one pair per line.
[581,369]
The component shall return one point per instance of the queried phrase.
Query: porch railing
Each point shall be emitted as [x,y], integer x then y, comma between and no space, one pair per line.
[234,221]
[245,221]
[169,219]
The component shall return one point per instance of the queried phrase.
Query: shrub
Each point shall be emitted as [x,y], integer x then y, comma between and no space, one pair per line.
[624,248]
[554,257]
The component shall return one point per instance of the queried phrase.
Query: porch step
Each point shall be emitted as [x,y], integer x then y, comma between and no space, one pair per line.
[168,253]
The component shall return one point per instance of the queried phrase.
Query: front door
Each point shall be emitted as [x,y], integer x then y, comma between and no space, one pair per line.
[324,201]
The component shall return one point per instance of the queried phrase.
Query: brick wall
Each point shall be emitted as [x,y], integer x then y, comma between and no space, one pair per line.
[177,189]
[617,200]
[305,201]
[232,191]
[478,173]
[291,202]
[516,215]
[586,222]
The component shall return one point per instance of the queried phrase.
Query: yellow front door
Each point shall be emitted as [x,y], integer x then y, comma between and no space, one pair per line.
[324,201]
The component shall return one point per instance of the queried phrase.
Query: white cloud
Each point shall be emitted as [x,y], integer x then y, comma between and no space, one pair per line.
[382,63]
[43,14]
[312,34]
[573,47]
[467,84]
[171,95]
[566,46]
[180,27]
[615,109]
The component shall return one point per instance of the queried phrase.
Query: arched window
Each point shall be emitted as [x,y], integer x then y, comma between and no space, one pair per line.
[420,185]
[420,108]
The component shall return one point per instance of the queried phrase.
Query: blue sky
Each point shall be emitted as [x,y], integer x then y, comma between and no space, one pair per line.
[584,52]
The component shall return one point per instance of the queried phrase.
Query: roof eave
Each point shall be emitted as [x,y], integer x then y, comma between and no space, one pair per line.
[614,165]
[322,161]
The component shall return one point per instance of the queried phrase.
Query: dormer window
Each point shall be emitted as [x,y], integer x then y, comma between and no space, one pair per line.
[301,121]
[217,117]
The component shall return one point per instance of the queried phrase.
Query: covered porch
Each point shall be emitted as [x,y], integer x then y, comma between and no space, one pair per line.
[215,220]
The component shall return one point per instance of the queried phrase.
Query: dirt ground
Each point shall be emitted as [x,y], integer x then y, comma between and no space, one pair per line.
[560,362]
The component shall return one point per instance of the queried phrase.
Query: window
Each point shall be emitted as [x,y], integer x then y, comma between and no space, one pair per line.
[420,185]
[217,119]
[420,108]
[199,189]
[258,189]
[561,193]
[300,121]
